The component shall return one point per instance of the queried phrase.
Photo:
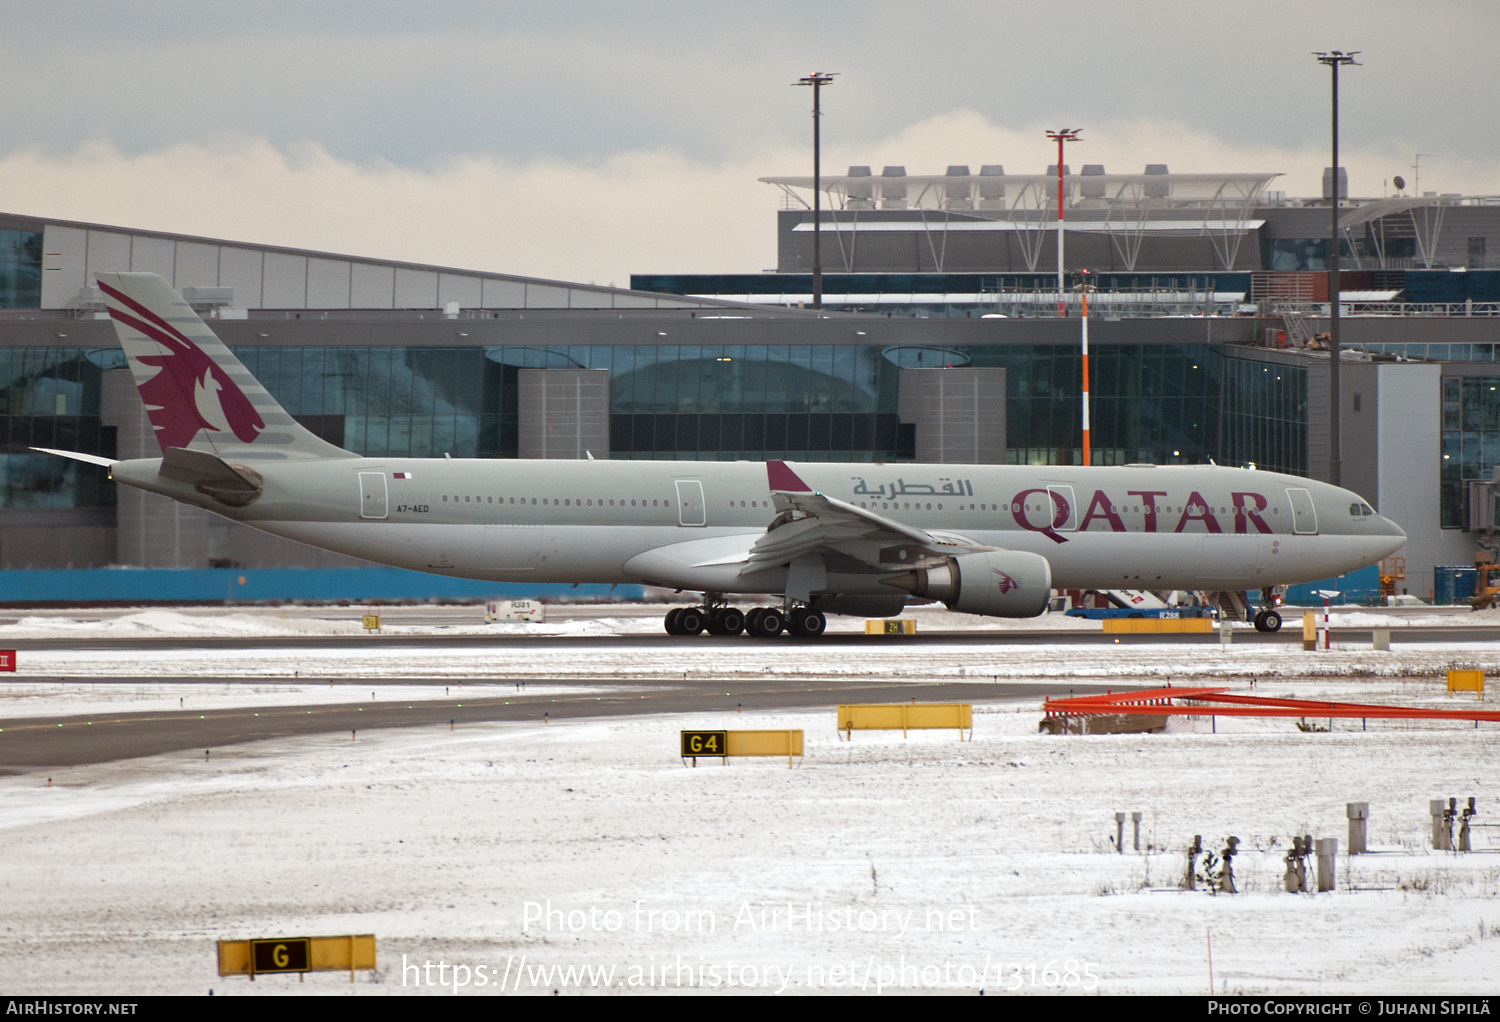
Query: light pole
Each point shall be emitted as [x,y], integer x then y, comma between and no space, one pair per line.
[1334,58]
[1084,289]
[817,80]
[1065,135]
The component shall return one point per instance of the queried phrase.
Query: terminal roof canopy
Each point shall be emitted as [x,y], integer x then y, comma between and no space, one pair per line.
[1001,193]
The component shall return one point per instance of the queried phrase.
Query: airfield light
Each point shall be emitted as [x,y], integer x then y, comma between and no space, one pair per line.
[1334,59]
[817,80]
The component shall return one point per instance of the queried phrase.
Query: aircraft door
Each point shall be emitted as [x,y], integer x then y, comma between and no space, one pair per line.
[372,495]
[1064,509]
[1304,514]
[690,509]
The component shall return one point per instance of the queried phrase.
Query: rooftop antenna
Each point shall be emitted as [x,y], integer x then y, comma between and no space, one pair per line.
[1416,174]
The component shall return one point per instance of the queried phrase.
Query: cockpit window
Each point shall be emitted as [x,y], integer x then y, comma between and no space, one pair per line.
[1358,510]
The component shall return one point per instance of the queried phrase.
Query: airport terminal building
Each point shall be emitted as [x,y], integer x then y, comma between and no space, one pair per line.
[1199,333]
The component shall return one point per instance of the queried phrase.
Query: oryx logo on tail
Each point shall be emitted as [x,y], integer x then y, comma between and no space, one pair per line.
[190,391]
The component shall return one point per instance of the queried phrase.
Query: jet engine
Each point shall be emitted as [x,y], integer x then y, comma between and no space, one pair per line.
[1000,583]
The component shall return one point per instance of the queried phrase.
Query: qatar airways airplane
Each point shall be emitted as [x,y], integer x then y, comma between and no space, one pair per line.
[824,538]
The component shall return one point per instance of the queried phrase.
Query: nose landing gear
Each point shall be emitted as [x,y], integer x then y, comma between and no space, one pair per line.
[1269,618]
[1268,621]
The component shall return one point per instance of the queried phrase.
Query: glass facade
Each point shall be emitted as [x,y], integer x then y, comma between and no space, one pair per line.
[1265,415]
[1435,352]
[20,270]
[49,397]
[1150,403]
[1471,441]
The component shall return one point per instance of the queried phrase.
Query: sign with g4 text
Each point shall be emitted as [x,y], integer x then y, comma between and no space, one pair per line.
[705,743]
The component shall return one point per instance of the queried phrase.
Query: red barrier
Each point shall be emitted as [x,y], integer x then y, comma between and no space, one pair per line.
[1220,702]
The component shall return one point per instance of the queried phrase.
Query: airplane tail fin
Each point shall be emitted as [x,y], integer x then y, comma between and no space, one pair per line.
[197,394]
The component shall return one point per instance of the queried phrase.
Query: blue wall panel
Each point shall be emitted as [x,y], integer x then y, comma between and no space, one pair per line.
[147,585]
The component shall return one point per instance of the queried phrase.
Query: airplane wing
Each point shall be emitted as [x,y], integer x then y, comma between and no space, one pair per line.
[815,523]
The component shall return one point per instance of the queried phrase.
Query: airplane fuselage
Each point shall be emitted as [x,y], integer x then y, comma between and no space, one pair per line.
[686,524]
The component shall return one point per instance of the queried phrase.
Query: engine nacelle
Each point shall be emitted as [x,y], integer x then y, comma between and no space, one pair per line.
[1001,583]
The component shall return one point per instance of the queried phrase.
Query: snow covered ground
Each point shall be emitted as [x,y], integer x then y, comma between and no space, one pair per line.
[704,658]
[515,851]
[880,863]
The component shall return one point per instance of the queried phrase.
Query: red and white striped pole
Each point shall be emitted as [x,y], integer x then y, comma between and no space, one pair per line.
[1065,135]
[1086,459]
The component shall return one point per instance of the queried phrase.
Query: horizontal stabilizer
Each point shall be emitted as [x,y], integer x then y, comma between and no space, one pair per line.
[235,485]
[90,459]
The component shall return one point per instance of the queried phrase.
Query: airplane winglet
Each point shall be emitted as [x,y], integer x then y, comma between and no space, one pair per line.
[783,479]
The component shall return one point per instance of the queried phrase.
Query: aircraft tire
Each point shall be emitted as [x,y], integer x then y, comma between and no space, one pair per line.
[671,621]
[809,624]
[1268,621]
[751,618]
[768,624]
[729,621]
[690,621]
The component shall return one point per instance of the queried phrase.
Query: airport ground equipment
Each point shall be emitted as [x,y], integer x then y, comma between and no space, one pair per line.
[1392,570]
[1226,871]
[905,717]
[1295,879]
[1486,586]
[269,955]
[1327,849]
[1359,818]
[1220,702]
[1442,825]
[1466,681]
[727,744]
[1135,819]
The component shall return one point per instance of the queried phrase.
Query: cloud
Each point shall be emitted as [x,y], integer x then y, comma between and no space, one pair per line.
[650,210]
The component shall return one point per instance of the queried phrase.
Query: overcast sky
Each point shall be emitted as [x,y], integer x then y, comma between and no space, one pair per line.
[587,141]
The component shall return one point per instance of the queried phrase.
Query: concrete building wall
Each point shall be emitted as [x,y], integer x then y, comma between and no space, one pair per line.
[1409,440]
[959,414]
[57,537]
[564,413]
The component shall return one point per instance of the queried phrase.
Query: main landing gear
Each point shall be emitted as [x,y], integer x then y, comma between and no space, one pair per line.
[760,623]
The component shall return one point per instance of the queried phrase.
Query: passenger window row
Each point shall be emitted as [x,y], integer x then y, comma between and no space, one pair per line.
[554,501]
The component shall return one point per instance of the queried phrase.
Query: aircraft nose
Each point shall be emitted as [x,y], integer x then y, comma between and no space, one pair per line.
[1390,528]
[1391,538]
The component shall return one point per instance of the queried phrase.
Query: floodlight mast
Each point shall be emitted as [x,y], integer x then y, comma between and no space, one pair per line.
[1334,59]
[1064,135]
[817,80]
